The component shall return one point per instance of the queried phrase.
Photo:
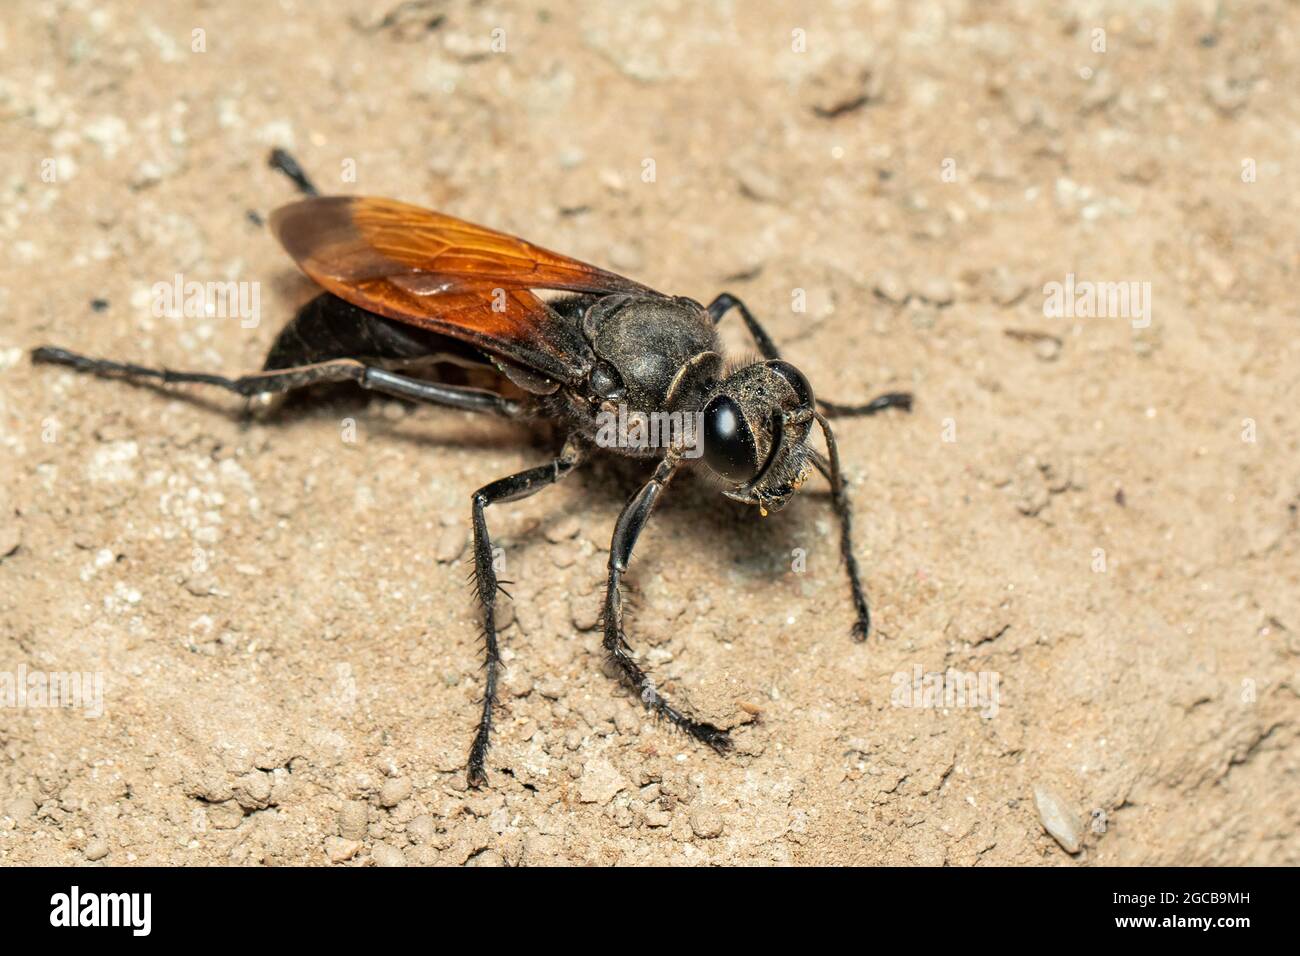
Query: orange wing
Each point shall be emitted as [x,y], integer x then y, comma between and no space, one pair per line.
[437,272]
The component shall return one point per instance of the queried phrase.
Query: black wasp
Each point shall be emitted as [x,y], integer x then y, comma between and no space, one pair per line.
[406,287]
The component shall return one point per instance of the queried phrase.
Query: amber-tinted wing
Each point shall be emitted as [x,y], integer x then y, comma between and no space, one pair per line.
[441,273]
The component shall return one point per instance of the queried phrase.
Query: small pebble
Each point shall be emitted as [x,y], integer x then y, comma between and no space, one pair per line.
[550,688]
[1058,819]
[1007,289]
[20,808]
[226,815]
[1227,96]
[1048,349]
[584,611]
[200,586]
[354,819]
[421,830]
[566,556]
[253,790]
[844,84]
[451,544]
[600,782]
[563,530]
[395,791]
[937,291]
[922,317]
[96,849]
[706,822]
[1099,821]
[891,288]
[656,817]
[339,849]
[627,723]
[518,682]
[385,854]
[757,184]
[571,157]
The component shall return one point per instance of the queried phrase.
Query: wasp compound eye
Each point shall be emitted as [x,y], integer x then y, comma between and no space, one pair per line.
[729,448]
[795,379]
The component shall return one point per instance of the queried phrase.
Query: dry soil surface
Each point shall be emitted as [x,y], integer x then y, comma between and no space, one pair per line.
[1096,516]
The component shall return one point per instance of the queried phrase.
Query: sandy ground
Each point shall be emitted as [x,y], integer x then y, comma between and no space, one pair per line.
[1097,514]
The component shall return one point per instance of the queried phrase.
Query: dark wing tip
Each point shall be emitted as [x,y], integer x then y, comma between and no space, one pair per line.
[305,225]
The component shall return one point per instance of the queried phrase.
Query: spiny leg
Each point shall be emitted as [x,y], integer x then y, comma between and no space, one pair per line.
[282,380]
[726,301]
[285,163]
[511,488]
[630,522]
[840,500]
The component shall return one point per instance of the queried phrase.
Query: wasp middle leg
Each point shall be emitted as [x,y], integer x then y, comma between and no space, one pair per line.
[511,488]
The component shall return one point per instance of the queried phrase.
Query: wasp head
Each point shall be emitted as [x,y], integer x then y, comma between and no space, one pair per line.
[756,425]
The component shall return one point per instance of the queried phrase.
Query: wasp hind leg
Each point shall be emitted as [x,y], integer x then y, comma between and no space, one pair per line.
[282,161]
[368,377]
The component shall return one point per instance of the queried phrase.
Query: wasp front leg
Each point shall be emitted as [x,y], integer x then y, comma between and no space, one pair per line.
[631,521]
[725,302]
[834,475]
